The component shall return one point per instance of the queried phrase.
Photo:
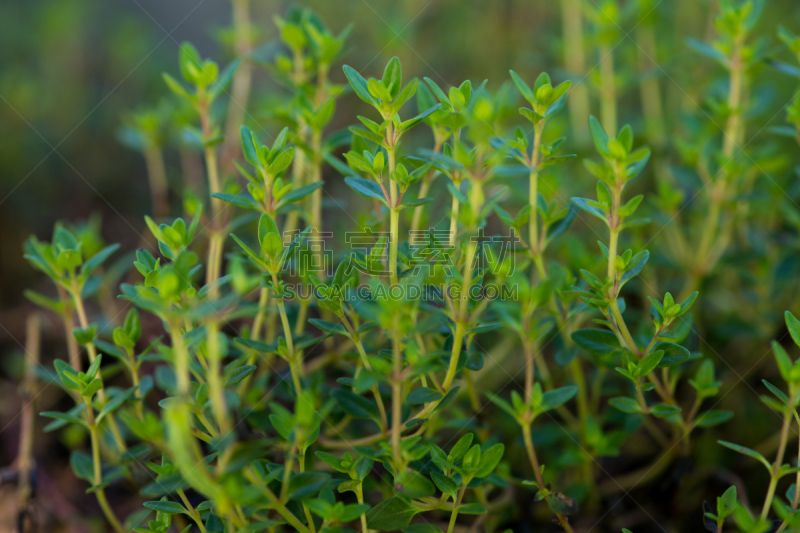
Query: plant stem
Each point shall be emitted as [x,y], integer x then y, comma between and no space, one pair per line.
[276,503]
[454,217]
[92,350]
[69,325]
[192,511]
[394,222]
[25,454]
[458,336]
[157,176]
[776,466]
[316,169]
[456,505]
[537,470]
[397,400]
[718,193]
[291,356]
[215,388]
[98,472]
[360,498]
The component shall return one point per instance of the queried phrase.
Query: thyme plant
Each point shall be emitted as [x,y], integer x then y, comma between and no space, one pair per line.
[263,369]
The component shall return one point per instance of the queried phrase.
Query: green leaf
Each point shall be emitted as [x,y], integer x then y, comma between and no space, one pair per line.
[554,398]
[240,374]
[600,137]
[490,458]
[650,363]
[250,146]
[625,404]
[355,405]
[306,484]
[366,188]
[444,483]
[114,403]
[390,515]
[330,327]
[359,85]
[726,503]
[746,451]
[523,87]
[472,508]
[713,418]
[241,199]
[302,192]
[62,416]
[447,399]
[674,354]
[281,162]
[794,326]
[393,76]
[663,410]
[97,259]
[166,507]
[82,465]
[423,395]
[599,342]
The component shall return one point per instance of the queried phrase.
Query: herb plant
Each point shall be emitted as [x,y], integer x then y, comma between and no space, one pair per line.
[270,368]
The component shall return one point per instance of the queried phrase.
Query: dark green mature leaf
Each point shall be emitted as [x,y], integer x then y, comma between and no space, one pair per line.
[713,418]
[554,398]
[599,342]
[366,188]
[794,326]
[625,404]
[663,410]
[423,395]
[166,507]
[302,192]
[444,483]
[674,354]
[242,199]
[330,327]
[746,451]
[240,374]
[390,515]
[355,405]
[306,484]
[490,458]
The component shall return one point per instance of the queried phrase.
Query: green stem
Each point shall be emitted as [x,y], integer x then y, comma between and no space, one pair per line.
[394,217]
[214,376]
[454,512]
[98,473]
[775,474]
[291,356]
[181,357]
[192,511]
[537,470]
[454,217]
[397,400]
[276,503]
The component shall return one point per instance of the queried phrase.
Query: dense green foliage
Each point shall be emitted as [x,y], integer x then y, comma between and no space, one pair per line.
[484,330]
